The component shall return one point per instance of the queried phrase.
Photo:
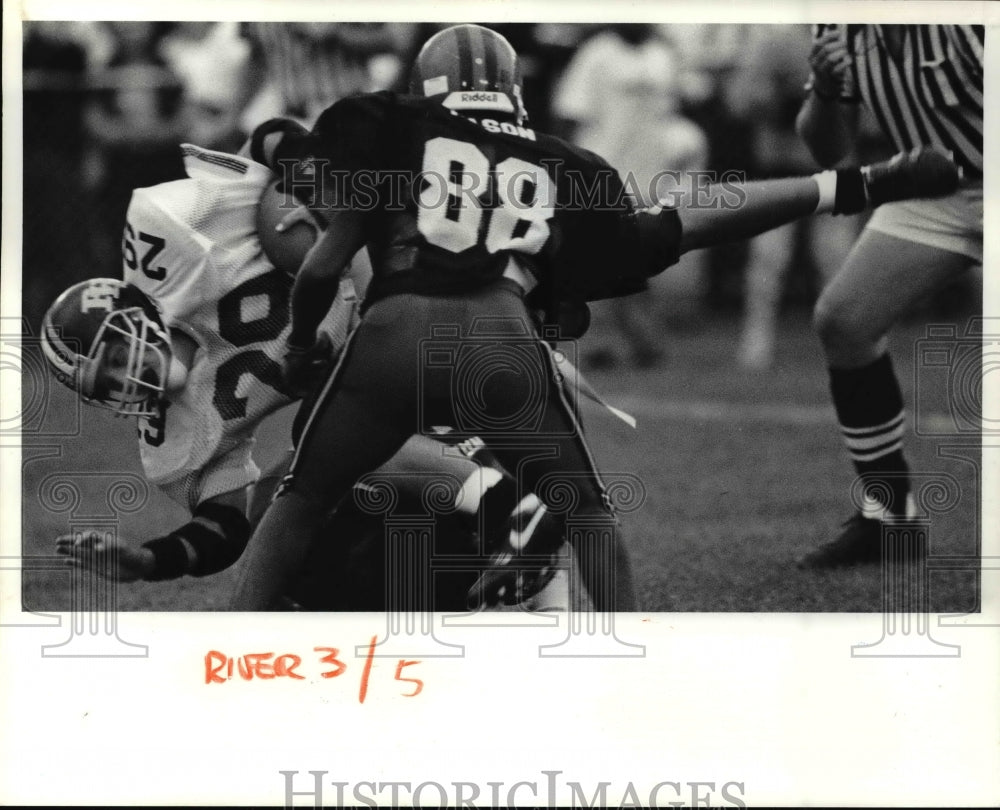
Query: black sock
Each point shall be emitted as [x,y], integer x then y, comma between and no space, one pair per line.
[870,410]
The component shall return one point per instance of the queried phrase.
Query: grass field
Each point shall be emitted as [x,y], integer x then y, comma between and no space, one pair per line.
[743,472]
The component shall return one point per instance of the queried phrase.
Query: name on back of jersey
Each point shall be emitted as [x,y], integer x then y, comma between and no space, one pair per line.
[506,127]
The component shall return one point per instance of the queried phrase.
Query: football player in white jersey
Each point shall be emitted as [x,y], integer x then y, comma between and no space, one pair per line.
[190,341]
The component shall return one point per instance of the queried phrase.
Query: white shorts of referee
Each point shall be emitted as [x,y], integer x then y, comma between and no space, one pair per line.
[908,250]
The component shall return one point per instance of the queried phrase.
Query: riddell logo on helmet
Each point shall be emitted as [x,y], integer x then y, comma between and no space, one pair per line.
[479,100]
[491,98]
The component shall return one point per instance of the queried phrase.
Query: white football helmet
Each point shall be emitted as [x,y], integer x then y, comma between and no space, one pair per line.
[105,340]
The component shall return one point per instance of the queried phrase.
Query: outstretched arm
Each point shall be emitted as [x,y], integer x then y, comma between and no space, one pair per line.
[729,212]
[210,542]
[739,211]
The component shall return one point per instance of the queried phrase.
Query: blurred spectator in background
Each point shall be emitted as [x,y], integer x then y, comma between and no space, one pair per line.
[212,61]
[712,56]
[544,51]
[55,246]
[310,65]
[621,92]
[133,118]
[766,91]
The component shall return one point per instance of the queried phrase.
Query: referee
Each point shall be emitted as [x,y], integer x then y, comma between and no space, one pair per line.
[310,65]
[924,84]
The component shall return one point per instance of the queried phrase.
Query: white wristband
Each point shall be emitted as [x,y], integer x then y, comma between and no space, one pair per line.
[827,182]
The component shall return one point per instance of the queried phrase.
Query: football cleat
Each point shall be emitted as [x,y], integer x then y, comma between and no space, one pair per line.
[860,542]
[523,561]
[922,172]
[105,340]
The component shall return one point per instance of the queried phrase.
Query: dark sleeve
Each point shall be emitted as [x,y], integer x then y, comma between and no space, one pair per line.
[294,144]
[353,150]
[656,233]
[352,132]
[321,165]
[604,248]
[291,159]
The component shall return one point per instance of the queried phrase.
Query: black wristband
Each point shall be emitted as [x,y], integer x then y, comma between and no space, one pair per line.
[232,520]
[213,550]
[285,125]
[216,552]
[171,558]
[852,194]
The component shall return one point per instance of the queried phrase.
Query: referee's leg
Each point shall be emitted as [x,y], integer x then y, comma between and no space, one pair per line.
[882,278]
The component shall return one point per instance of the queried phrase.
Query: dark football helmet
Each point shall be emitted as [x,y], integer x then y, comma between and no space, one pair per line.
[105,340]
[469,67]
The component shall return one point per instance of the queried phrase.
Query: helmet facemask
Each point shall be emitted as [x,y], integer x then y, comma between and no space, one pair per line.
[133,387]
[106,340]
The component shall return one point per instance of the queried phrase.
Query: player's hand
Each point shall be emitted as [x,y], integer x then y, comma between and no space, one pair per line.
[105,555]
[922,172]
[830,62]
[303,367]
[299,214]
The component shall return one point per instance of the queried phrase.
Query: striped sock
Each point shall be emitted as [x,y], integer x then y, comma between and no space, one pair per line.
[870,410]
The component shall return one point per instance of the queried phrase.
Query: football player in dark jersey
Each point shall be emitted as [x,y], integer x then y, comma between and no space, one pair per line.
[472,220]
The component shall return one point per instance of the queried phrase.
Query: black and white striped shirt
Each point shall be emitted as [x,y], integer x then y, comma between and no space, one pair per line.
[311,72]
[930,93]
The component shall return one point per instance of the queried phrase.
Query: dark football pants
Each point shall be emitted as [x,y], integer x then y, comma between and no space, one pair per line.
[473,363]
[351,576]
